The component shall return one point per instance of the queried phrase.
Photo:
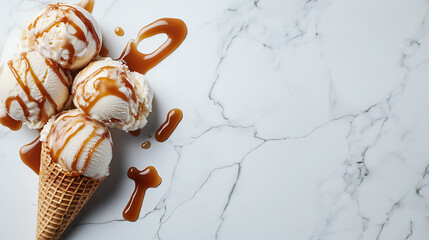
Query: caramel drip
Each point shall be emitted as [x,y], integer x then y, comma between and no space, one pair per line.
[176,32]
[30,154]
[79,34]
[9,122]
[39,84]
[89,26]
[21,103]
[91,152]
[136,133]
[106,86]
[148,178]
[104,52]
[88,5]
[174,117]
[63,130]
[17,98]
[56,68]
[119,31]
[61,140]
[23,83]
[71,50]
[146,145]
[79,152]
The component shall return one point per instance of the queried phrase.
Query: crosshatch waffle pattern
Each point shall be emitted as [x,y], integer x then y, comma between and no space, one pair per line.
[61,197]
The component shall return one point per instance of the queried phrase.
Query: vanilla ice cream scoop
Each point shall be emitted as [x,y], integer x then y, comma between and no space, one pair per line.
[33,88]
[110,93]
[67,34]
[80,145]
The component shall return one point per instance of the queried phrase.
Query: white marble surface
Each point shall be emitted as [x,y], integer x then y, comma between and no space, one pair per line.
[303,119]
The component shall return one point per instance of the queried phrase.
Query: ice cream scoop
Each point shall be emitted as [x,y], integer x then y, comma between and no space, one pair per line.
[67,34]
[80,145]
[110,93]
[33,88]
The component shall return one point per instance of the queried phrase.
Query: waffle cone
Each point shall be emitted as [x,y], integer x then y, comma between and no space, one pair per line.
[61,197]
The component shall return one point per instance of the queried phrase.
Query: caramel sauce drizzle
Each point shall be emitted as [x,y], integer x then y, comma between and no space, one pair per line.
[39,84]
[91,151]
[105,86]
[23,83]
[176,31]
[64,129]
[9,122]
[88,5]
[174,117]
[104,52]
[80,150]
[79,34]
[148,178]
[30,154]
[146,145]
[119,31]
[136,133]
[21,103]
[67,81]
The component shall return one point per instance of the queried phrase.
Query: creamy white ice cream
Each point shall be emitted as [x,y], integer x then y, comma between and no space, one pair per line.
[33,88]
[80,145]
[110,93]
[67,34]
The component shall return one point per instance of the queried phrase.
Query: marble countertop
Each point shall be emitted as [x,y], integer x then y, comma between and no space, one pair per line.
[303,119]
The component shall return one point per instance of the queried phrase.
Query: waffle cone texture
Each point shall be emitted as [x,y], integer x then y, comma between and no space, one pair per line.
[61,197]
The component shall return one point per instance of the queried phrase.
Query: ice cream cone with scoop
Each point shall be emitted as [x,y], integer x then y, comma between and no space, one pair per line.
[75,158]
